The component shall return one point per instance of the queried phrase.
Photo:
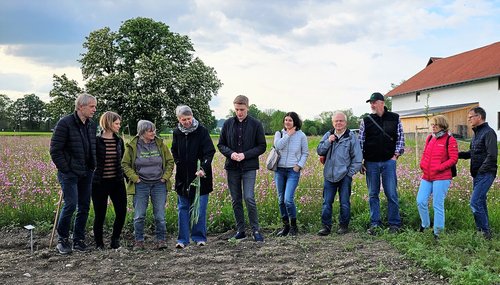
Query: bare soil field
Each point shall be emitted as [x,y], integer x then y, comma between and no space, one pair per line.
[306,259]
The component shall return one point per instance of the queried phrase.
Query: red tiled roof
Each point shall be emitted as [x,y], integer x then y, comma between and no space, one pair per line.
[471,65]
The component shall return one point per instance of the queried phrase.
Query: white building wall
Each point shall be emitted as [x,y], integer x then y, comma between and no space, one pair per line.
[487,93]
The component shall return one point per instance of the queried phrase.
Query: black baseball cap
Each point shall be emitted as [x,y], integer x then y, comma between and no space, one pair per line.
[375,96]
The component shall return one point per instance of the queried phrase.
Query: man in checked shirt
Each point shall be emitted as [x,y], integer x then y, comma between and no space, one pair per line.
[382,141]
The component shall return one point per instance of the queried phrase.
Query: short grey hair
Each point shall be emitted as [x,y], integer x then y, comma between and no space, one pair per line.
[339,112]
[183,110]
[84,99]
[144,126]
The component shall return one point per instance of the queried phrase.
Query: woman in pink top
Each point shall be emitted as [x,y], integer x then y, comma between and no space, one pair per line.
[440,154]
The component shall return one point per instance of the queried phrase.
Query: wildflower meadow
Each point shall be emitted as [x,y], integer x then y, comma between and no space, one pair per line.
[29,193]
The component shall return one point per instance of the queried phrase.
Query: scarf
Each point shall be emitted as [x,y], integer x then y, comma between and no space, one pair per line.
[439,134]
[189,130]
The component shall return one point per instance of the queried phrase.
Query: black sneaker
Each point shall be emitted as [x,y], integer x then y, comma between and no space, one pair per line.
[342,230]
[487,235]
[79,245]
[115,243]
[238,236]
[258,237]
[324,231]
[64,246]
[394,229]
[373,230]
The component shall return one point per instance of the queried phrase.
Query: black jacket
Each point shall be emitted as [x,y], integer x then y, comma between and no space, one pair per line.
[187,149]
[69,149]
[483,151]
[101,157]
[254,144]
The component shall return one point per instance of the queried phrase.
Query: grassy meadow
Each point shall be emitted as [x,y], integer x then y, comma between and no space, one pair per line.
[29,192]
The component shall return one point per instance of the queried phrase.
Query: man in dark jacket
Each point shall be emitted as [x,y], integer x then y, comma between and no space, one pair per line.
[73,151]
[483,154]
[382,141]
[241,141]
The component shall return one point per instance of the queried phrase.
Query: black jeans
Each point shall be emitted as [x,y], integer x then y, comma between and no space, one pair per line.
[114,189]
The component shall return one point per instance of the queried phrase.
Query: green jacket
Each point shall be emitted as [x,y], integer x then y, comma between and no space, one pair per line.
[128,163]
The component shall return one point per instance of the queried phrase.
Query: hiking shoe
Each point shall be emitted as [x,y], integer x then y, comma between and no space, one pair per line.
[139,245]
[79,245]
[99,246]
[201,243]
[64,246]
[394,229]
[421,229]
[238,236]
[342,230]
[179,245]
[487,235]
[373,230]
[115,243]
[161,245]
[258,236]
[324,231]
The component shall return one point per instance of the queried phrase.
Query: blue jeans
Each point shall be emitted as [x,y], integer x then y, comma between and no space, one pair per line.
[158,194]
[481,185]
[76,195]
[199,230]
[438,189]
[286,180]
[241,186]
[386,170]
[329,190]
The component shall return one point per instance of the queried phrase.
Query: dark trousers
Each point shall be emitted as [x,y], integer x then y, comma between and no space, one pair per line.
[114,189]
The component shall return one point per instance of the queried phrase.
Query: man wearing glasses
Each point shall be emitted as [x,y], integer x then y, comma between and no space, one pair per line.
[483,167]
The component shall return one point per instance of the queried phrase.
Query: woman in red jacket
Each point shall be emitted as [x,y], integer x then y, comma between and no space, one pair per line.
[440,154]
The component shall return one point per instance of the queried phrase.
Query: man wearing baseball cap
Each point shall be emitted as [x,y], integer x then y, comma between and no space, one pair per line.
[382,141]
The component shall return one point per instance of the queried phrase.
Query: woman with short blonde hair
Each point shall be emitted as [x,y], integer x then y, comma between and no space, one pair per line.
[440,154]
[108,179]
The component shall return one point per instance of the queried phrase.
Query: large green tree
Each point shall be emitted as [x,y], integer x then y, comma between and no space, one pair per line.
[5,112]
[143,71]
[29,112]
[63,97]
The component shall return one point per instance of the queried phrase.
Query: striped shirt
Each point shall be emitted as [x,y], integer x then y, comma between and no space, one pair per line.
[111,159]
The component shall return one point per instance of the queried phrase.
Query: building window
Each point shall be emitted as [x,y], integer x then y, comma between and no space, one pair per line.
[417,96]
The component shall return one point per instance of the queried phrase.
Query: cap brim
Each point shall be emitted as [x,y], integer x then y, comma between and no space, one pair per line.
[368,100]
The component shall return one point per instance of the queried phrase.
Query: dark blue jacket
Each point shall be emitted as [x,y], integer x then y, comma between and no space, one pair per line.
[73,145]
[483,151]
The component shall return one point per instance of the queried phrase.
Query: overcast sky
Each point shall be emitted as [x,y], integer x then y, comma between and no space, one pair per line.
[304,56]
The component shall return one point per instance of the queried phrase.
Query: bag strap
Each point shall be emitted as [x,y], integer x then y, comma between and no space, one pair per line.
[380,128]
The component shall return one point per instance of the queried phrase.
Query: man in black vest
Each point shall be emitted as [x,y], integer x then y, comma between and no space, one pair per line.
[382,141]
[73,151]
[483,154]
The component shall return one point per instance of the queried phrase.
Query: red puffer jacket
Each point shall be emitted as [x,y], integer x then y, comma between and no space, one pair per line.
[436,163]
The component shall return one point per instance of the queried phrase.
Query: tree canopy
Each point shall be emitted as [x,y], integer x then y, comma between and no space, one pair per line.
[144,71]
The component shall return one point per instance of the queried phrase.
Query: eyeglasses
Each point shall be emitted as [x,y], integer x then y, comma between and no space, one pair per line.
[472,116]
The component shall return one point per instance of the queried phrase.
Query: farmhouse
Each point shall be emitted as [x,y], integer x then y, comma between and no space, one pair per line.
[451,86]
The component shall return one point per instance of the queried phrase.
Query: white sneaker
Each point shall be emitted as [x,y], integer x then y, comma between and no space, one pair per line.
[201,243]
[179,245]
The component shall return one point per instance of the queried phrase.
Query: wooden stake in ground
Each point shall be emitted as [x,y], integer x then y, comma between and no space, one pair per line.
[55,219]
